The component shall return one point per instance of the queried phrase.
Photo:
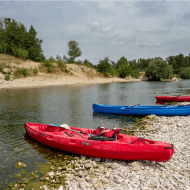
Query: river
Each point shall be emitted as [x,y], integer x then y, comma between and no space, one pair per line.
[71,105]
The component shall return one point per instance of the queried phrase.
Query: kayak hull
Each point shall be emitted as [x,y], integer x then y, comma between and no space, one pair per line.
[138,110]
[126,147]
[173,98]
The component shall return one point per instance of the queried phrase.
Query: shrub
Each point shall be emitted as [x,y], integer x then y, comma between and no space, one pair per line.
[7,77]
[79,62]
[20,53]
[35,70]
[124,70]
[61,64]
[49,65]
[21,72]
[185,73]
[135,74]
[50,69]
[1,69]
[105,67]
[158,69]
[24,72]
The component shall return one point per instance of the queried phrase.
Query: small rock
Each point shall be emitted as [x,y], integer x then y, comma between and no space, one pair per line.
[114,166]
[88,165]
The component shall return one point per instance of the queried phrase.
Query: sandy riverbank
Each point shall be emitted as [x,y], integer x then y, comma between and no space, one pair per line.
[54,80]
[75,75]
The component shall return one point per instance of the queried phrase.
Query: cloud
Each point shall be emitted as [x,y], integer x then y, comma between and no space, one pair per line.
[186,16]
[132,29]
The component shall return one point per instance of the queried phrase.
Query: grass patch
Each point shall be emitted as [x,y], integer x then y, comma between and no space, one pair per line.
[21,72]
[1,69]
[35,70]
[50,68]
[7,77]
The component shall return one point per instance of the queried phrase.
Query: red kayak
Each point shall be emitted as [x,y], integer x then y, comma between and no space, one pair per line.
[100,142]
[173,98]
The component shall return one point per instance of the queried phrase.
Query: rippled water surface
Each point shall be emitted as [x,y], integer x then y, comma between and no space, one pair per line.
[65,104]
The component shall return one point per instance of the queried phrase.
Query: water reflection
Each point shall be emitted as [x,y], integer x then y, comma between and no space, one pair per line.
[110,120]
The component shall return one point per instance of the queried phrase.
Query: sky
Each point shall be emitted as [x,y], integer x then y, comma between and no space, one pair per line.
[114,29]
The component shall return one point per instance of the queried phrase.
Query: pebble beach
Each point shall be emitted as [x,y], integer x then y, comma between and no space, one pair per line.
[87,173]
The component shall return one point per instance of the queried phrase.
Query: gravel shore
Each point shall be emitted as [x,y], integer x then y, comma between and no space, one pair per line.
[106,174]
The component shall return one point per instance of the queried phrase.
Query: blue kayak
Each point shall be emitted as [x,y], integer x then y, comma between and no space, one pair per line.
[168,110]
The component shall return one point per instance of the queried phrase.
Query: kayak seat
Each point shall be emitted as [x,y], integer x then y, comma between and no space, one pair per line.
[98,130]
[105,136]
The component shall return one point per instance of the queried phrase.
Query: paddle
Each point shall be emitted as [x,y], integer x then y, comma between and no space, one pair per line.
[65,126]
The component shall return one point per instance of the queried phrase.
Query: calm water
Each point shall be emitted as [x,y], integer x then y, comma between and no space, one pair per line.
[71,105]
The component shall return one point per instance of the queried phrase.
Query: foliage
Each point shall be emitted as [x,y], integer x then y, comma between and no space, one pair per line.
[121,61]
[35,70]
[1,69]
[158,69]
[58,58]
[185,73]
[105,67]
[15,38]
[60,63]
[79,62]
[65,59]
[7,77]
[21,72]
[51,59]
[47,63]
[178,62]
[49,66]
[3,46]
[135,73]
[88,64]
[74,51]
[21,53]
[124,70]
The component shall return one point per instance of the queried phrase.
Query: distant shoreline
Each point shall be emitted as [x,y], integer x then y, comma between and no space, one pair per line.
[45,80]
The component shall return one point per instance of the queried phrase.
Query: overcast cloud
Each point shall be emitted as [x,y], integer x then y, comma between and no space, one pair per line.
[133,29]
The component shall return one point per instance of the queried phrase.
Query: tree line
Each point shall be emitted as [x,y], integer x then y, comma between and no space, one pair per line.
[17,41]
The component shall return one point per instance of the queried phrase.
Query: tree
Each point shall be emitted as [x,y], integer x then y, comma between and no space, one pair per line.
[34,45]
[15,40]
[104,66]
[74,51]
[185,73]
[158,69]
[88,64]
[124,70]
[121,61]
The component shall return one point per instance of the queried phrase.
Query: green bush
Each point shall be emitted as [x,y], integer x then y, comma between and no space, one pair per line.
[158,69]
[35,70]
[61,64]
[124,70]
[7,77]
[24,72]
[105,67]
[47,63]
[79,62]
[185,73]
[1,69]
[3,46]
[20,53]
[88,64]
[21,72]
[135,74]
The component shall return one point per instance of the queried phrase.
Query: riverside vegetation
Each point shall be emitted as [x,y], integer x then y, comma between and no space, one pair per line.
[15,40]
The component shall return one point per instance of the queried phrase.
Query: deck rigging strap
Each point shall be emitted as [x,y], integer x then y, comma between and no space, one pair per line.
[137,140]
